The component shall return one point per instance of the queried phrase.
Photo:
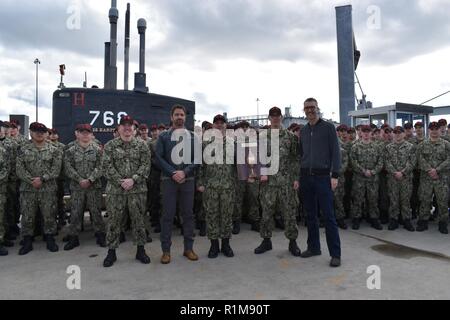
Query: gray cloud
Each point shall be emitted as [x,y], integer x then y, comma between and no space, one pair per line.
[205,108]
[200,31]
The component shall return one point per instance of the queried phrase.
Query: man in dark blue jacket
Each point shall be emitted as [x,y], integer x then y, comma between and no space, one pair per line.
[320,167]
[175,155]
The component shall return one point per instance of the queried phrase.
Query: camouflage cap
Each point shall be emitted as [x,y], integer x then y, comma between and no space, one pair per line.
[418,125]
[154,127]
[366,128]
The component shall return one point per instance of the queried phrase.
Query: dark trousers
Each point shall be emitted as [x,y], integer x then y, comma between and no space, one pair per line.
[317,189]
[172,193]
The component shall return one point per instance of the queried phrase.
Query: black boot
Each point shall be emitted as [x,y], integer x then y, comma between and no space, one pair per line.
[66,238]
[375,223]
[393,225]
[294,249]
[443,227]
[226,249]
[214,250]
[27,246]
[122,238]
[3,251]
[110,258]
[356,223]
[422,225]
[142,256]
[408,226]
[202,229]
[236,227]
[101,239]
[72,244]
[255,226]
[265,246]
[341,224]
[51,244]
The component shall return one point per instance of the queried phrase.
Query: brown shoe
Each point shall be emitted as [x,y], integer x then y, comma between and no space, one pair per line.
[191,255]
[165,259]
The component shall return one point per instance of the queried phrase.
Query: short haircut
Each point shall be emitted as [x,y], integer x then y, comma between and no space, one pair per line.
[311,100]
[177,106]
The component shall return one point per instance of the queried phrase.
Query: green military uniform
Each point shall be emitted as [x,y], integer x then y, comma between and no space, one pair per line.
[400,157]
[365,157]
[219,181]
[45,163]
[4,174]
[340,190]
[278,192]
[434,155]
[415,203]
[60,181]
[252,192]
[12,215]
[81,164]
[154,200]
[383,185]
[126,160]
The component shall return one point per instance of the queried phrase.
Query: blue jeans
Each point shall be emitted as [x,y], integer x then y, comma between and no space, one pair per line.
[317,191]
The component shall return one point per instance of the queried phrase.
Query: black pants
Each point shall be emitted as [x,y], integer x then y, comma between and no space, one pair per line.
[172,193]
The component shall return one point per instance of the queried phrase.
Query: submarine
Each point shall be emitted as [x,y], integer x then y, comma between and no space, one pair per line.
[104,107]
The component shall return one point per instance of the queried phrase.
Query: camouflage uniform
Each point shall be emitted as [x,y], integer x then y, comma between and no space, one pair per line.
[383,186]
[12,215]
[365,157]
[45,163]
[80,164]
[126,160]
[60,182]
[4,173]
[400,157]
[219,181]
[278,192]
[340,190]
[415,203]
[253,205]
[155,187]
[434,155]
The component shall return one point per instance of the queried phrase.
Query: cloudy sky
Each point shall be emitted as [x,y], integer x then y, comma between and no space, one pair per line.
[224,54]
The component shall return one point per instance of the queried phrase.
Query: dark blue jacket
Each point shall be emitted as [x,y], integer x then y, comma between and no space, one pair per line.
[319,150]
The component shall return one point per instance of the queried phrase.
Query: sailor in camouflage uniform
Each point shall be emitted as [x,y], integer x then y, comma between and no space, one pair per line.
[82,165]
[278,191]
[367,162]
[217,182]
[126,166]
[61,212]
[400,159]
[38,167]
[4,174]
[434,164]
[339,193]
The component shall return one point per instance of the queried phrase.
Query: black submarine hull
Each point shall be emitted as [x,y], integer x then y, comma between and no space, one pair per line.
[103,109]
